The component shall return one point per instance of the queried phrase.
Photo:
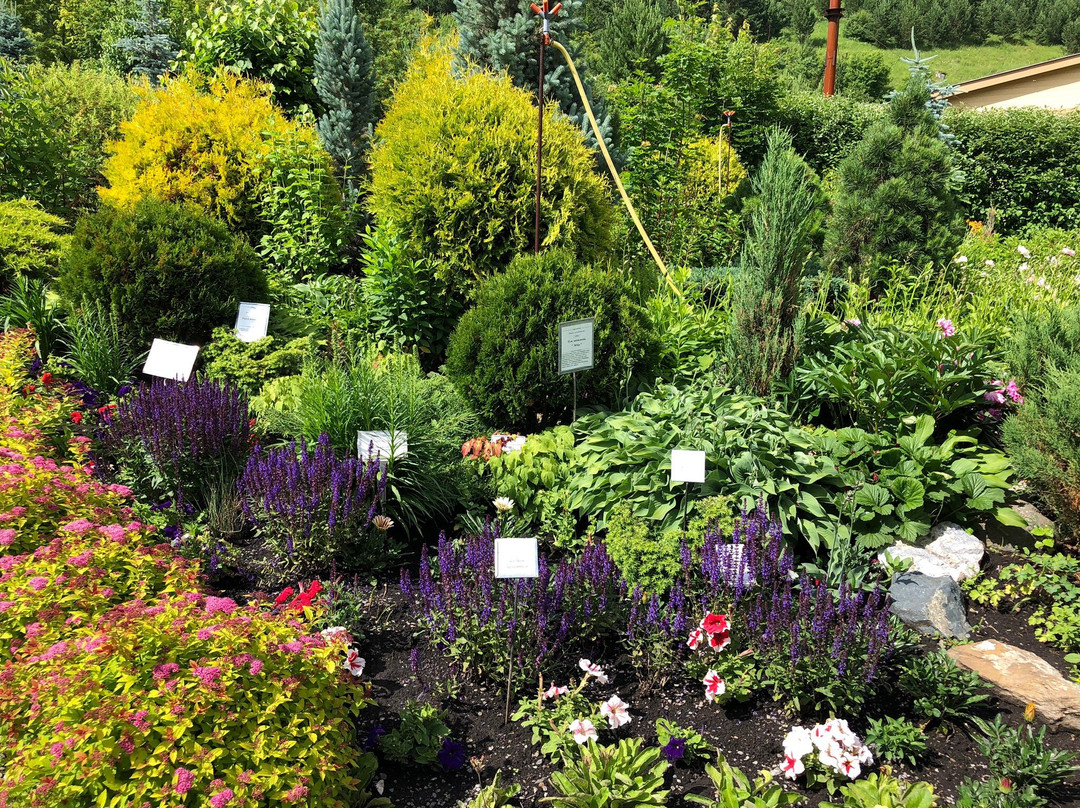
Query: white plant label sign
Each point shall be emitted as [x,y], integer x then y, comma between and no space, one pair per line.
[383,445]
[687,466]
[170,360]
[516,558]
[576,345]
[252,321]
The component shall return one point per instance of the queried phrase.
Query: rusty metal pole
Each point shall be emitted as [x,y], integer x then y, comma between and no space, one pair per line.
[539,143]
[833,15]
[546,15]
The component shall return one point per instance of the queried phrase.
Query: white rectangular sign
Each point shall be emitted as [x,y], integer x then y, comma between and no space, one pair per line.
[576,345]
[383,445]
[252,320]
[687,466]
[516,558]
[170,360]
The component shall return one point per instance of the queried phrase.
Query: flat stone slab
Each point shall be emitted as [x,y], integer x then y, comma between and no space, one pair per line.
[1023,677]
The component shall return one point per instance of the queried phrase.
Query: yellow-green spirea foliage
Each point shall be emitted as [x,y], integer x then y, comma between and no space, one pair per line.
[207,143]
[454,172]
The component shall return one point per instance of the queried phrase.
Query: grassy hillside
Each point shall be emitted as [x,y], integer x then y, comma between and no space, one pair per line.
[961,64]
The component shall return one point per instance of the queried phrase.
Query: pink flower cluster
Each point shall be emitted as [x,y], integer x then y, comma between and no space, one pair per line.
[716,628]
[837,747]
[1003,390]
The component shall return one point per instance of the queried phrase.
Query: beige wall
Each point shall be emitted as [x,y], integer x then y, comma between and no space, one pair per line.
[1057,89]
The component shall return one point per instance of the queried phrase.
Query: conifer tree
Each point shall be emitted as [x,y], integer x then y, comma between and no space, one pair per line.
[503,35]
[14,43]
[149,50]
[781,219]
[345,81]
[894,202]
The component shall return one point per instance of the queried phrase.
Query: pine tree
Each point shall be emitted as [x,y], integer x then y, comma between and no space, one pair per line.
[766,325]
[503,35]
[804,16]
[894,201]
[345,81]
[149,50]
[14,43]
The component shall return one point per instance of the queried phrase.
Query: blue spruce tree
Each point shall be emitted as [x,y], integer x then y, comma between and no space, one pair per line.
[503,35]
[14,43]
[345,81]
[149,50]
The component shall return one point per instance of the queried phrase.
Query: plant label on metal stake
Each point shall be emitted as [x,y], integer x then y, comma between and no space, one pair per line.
[252,321]
[687,466]
[576,349]
[515,559]
[170,360]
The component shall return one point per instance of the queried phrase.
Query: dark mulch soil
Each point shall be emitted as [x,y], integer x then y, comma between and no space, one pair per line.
[749,735]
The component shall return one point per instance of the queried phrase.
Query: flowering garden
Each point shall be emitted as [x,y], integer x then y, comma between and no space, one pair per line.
[280,579]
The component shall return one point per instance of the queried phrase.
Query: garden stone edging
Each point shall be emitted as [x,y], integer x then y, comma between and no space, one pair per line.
[1023,678]
[949,550]
[931,605]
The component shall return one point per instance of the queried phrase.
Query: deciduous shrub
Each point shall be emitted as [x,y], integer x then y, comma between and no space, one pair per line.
[267,40]
[454,173]
[226,148]
[249,365]
[824,130]
[170,271]
[58,121]
[31,241]
[503,356]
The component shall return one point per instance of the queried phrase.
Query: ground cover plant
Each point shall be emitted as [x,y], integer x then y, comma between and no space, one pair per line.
[227,591]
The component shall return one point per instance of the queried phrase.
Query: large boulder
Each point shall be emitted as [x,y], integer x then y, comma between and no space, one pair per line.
[1023,678]
[949,550]
[932,605]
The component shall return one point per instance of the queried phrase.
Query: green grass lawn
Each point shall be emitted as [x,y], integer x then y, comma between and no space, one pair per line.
[960,64]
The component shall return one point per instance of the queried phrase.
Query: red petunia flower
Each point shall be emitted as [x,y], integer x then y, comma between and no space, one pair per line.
[286,593]
[76,417]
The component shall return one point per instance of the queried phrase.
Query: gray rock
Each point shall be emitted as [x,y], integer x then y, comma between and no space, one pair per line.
[1014,538]
[932,605]
[948,550]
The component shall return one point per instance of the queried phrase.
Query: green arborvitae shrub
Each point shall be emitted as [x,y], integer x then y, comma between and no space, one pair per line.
[149,50]
[169,271]
[894,197]
[765,321]
[503,356]
[454,173]
[502,35]
[1042,436]
[14,43]
[31,241]
[345,81]
[250,365]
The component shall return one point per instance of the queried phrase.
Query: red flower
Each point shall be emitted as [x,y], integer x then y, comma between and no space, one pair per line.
[305,598]
[286,593]
[76,417]
[715,623]
[46,378]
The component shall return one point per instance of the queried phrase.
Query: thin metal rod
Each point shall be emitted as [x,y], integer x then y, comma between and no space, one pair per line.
[574,377]
[539,143]
[510,658]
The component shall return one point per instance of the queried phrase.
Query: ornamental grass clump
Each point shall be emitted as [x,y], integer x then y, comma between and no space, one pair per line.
[180,440]
[311,507]
[562,612]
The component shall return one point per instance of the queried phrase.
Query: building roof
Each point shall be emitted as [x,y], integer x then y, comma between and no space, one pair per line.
[1029,73]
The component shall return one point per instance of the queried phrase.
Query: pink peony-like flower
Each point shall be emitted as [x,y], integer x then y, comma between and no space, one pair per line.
[947,327]
[1012,390]
[184,780]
